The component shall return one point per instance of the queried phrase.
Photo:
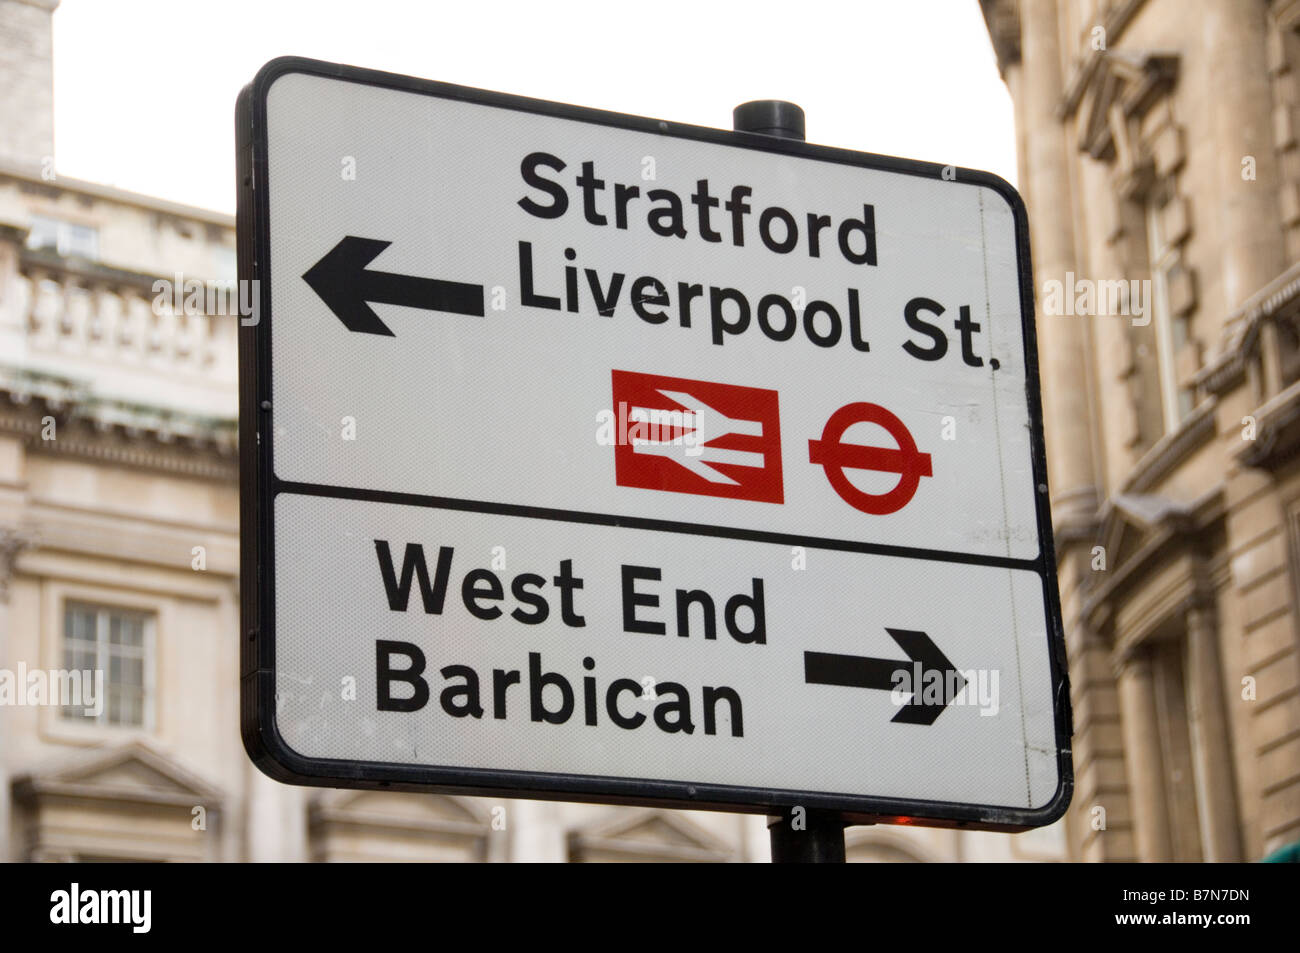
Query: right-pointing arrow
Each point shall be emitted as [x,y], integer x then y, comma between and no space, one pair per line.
[860,671]
[349,288]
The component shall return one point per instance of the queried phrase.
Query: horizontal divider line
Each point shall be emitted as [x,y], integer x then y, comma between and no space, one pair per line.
[643,523]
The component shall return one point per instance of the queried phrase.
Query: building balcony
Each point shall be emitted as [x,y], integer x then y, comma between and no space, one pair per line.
[116,335]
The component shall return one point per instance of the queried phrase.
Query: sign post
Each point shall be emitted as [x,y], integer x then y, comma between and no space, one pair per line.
[593,457]
[818,838]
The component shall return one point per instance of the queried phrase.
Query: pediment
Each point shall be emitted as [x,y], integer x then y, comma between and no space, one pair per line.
[134,769]
[1121,88]
[396,806]
[650,829]
[878,847]
[135,774]
[1132,520]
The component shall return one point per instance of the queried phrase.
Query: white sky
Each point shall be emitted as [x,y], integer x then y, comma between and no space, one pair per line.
[144,90]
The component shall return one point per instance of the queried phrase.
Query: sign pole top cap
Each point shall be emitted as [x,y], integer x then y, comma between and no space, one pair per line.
[769,117]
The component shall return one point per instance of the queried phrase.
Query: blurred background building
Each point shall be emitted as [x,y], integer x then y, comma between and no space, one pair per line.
[118,551]
[1158,142]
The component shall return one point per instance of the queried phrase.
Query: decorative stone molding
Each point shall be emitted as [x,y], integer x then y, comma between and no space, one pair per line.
[1123,117]
[1129,653]
[1171,450]
[29,179]
[1115,18]
[648,834]
[92,804]
[1138,531]
[112,432]
[1122,90]
[1277,432]
[1074,517]
[50,5]
[1002,17]
[1095,61]
[1238,348]
[1283,62]
[346,825]
[881,844]
[12,542]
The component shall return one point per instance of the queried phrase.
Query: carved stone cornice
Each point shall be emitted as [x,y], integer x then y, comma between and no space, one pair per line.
[50,5]
[1239,340]
[42,261]
[1277,432]
[1169,452]
[1116,21]
[103,775]
[1002,18]
[1119,90]
[116,433]
[1224,374]
[1074,531]
[30,177]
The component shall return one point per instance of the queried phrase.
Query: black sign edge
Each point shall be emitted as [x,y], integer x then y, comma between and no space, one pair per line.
[258,729]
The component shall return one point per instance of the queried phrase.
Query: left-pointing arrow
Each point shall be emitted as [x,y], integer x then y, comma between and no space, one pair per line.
[348,288]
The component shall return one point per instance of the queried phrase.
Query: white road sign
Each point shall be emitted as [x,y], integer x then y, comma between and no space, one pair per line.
[597,457]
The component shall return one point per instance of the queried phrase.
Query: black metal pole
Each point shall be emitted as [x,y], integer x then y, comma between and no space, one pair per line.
[806,837]
[770,117]
[798,836]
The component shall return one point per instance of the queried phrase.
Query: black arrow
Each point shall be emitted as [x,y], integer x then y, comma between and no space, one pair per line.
[860,671]
[349,288]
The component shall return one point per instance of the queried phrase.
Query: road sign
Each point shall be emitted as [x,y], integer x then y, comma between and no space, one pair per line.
[595,457]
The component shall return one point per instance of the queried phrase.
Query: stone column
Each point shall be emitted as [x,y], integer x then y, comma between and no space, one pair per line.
[11,542]
[1064,355]
[1011,75]
[1046,156]
[537,832]
[1142,758]
[1249,245]
[1248,232]
[1207,721]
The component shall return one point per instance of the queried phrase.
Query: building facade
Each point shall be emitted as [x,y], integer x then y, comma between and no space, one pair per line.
[1159,160]
[119,553]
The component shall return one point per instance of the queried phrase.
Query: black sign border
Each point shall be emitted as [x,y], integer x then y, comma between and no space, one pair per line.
[259,486]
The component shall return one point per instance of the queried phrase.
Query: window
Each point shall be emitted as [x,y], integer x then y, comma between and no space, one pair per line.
[116,642]
[226,263]
[1182,799]
[1288,346]
[1171,332]
[68,239]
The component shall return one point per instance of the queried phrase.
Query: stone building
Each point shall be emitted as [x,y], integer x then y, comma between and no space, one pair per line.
[118,552]
[1159,160]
